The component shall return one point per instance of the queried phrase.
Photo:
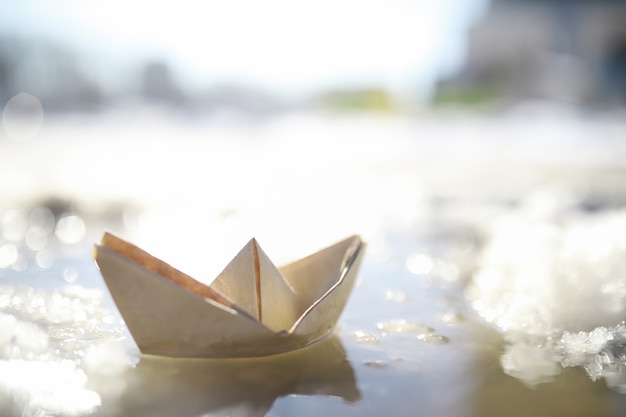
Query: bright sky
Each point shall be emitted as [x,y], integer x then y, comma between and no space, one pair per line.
[287,46]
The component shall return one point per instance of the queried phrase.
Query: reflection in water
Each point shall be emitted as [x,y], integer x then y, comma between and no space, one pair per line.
[164,387]
[570,393]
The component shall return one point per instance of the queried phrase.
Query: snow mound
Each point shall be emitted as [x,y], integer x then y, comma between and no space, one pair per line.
[552,279]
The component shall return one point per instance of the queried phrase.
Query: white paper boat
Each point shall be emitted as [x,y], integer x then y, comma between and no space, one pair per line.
[252,308]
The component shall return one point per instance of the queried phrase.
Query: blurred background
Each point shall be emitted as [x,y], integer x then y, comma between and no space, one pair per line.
[244,106]
[201,59]
[264,59]
[472,143]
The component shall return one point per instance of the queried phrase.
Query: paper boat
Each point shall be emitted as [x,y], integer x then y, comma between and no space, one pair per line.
[251,309]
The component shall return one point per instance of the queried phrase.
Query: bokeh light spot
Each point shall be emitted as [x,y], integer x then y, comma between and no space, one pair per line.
[70,274]
[8,255]
[36,238]
[13,225]
[420,264]
[42,218]
[70,229]
[44,259]
[22,117]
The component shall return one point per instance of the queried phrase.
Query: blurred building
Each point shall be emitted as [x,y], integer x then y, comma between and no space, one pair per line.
[159,85]
[47,70]
[570,51]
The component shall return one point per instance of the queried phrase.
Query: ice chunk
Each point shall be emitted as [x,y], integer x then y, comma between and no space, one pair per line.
[531,364]
[47,388]
[602,352]
[365,337]
[435,339]
[403,326]
[29,338]
[106,359]
[553,281]
[7,328]
[543,276]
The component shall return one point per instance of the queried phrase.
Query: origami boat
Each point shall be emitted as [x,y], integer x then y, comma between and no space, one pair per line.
[251,309]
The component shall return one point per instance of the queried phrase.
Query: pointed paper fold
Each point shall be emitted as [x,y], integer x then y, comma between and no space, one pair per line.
[259,288]
[251,309]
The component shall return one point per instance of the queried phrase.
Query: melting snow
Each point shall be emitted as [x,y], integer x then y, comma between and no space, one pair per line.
[552,279]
